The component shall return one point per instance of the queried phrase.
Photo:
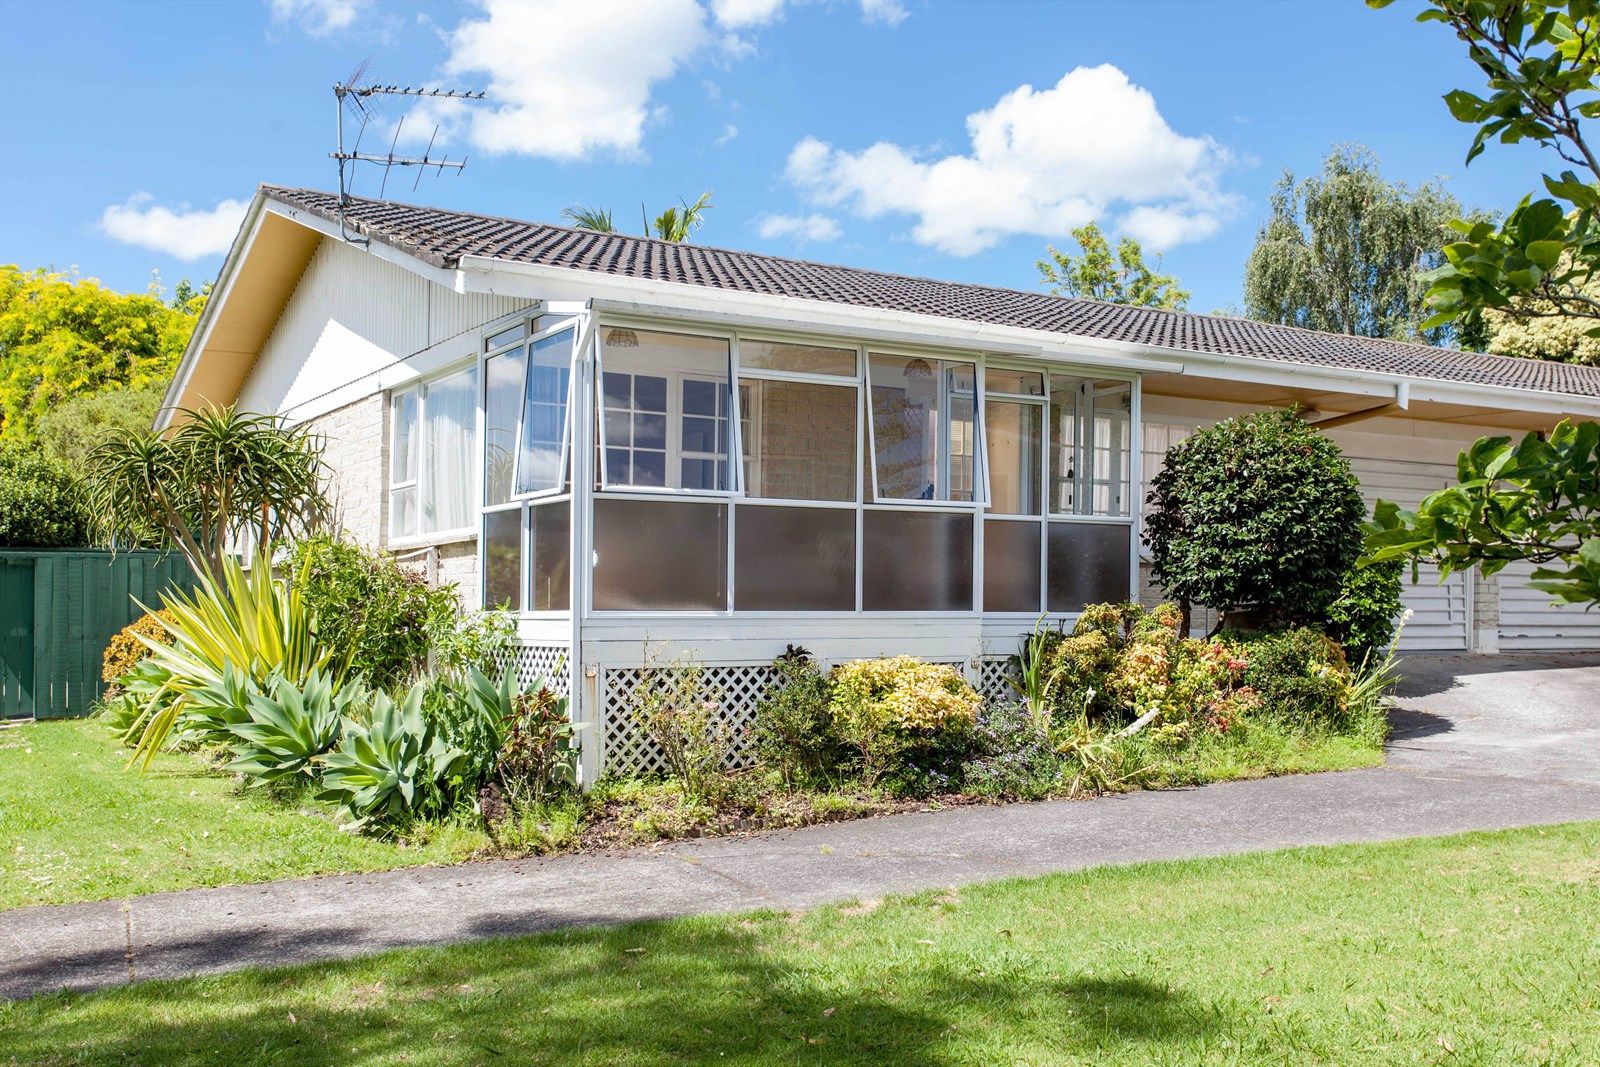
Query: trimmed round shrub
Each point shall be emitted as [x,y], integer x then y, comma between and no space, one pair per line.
[1258,512]
[905,718]
[41,503]
[1363,619]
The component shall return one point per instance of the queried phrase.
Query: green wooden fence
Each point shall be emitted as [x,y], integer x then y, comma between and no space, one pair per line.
[59,610]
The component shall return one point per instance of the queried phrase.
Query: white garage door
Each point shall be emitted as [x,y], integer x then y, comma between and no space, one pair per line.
[1528,620]
[1441,618]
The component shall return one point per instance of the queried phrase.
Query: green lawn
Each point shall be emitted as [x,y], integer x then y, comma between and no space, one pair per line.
[75,825]
[1480,949]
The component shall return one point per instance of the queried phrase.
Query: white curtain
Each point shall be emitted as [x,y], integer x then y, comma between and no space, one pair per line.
[450,417]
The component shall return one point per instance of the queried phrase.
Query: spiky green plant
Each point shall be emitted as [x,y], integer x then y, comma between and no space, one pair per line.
[386,768]
[288,726]
[249,620]
[597,219]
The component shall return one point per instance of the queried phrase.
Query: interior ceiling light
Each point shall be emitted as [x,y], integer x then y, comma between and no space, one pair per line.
[621,339]
[918,368]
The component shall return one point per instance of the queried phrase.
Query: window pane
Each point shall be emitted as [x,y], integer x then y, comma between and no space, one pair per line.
[799,440]
[664,555]
[544,414]
[666,403]
[1088,564]
[794,559]
[403,512]
[1011,565]
[403,458]
[450,412]
[1089,440]
[1015,451]
[917,561]
[502,558]
[804,359]
[507,336]
[503,375]
[922,434]
[1016,382]
[549,541]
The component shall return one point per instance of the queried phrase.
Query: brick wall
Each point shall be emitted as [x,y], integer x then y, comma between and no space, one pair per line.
[356,452]
[805,441]
[1485,612]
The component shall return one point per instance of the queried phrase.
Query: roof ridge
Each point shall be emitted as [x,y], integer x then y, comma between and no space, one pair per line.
[1528,373]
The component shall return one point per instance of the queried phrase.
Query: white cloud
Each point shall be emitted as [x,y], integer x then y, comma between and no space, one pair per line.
[729,132]
[798,227]
[884,12]
[319,18]
[565,80]
[1093,146]
[740,14]
[184,233]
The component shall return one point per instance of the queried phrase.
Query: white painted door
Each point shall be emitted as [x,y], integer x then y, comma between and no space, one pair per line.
[1529,621]
[1442,614]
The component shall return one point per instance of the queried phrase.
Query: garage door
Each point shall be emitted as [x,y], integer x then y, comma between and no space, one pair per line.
[1441,618]
[1529,621]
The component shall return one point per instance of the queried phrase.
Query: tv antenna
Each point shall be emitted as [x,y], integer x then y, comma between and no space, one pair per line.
[360,98]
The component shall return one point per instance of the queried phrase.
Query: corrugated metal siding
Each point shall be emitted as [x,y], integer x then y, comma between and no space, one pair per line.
[1529,621]
[352,315]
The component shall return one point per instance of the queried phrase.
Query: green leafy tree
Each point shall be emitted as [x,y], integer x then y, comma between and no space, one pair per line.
[1347,251]
[1098,273]
[220,478]
[72,430]
[1541,62]
[1532,501]
[41,502]
[62,336]
[676,223]
[1257,513]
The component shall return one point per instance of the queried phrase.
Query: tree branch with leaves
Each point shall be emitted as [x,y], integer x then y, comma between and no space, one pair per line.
[1098,273]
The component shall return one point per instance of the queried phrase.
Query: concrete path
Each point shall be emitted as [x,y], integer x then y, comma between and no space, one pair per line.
[1480,743]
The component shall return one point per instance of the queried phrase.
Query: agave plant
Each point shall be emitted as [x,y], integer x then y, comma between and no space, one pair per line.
[289,726]
[249,620]
[384,768]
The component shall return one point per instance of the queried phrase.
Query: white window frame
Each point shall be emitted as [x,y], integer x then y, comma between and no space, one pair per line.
[419,443]
[980,479]
[563,484]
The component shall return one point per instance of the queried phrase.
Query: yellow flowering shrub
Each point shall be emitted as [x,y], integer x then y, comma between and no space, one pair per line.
[888,709]
[126,650]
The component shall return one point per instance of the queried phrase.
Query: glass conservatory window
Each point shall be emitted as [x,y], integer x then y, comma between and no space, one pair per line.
[916,560]
[434,427]
[502,408]
[923,428]
[796,358]
[1015,451]
[541,455]
[1090,426]
[660,555]
[799,439]
[666,407]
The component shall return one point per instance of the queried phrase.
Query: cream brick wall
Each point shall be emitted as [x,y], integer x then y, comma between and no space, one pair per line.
[356,452]
[1485,612]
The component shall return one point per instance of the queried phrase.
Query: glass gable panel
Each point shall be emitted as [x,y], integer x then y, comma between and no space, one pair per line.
[799,439]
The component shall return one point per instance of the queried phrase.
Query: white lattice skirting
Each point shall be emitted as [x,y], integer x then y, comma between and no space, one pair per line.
[737,689]
[553,663]
[993,681]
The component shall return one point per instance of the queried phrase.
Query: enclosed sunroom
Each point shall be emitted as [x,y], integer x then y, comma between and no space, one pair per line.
[727,492]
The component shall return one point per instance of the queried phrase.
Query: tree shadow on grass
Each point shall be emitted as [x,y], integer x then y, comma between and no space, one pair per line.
[689,992]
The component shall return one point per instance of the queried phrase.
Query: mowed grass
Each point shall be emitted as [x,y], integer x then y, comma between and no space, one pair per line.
[76,824]
[1479,949]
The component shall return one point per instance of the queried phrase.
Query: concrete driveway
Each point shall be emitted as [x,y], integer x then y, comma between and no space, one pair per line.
[1480,743]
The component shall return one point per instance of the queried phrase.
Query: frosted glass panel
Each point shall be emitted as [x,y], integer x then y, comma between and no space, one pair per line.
[1087,564]
[794,559]
[502,558]
[917,561]
[660,555]
[799,440]
[805,359]
[549,542]
[1011,565]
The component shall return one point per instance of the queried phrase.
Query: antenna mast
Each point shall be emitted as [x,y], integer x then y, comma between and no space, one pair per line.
[360,100]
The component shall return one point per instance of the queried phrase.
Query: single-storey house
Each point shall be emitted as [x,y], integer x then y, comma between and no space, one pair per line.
[627,441]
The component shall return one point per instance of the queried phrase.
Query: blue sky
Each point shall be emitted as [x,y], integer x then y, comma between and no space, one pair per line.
[835,130]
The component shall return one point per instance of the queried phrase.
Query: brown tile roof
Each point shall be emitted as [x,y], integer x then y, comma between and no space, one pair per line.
[441,238]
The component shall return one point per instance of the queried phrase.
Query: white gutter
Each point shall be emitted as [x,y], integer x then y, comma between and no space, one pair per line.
[681,300]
